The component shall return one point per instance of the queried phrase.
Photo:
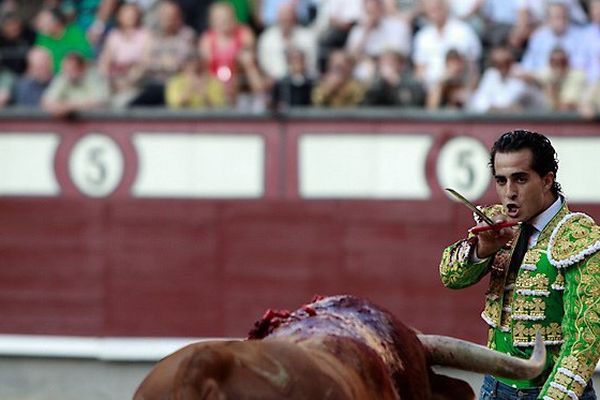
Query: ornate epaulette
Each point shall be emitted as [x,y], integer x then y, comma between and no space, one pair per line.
[492,211]
[575,237]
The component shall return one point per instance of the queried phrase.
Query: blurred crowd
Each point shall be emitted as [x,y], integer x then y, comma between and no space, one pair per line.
[256,55]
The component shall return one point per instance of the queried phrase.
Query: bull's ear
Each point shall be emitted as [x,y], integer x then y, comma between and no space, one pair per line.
[210,390]
[207,390]
[446,388]
[198,375]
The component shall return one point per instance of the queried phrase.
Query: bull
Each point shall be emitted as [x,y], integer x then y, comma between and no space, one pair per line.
[335,348]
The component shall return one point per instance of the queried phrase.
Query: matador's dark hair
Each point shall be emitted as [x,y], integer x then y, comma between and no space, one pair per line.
[544,156]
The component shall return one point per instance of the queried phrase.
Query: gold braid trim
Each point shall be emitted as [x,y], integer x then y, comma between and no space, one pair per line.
[575,237]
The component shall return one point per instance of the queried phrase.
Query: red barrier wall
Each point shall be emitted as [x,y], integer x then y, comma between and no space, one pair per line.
[126,266]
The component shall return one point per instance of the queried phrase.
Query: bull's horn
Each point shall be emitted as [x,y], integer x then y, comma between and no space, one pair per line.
[456,353]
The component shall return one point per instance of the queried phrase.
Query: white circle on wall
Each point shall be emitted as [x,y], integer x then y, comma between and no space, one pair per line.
[463,165]
[96,165]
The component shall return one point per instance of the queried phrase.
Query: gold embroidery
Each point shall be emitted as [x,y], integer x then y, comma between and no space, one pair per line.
[524,334]
[563,379]
[554,393]
[492,211]
[544,237]
[559,282]
[553,331]
[493,311]
[574,236]
[532,257]
[527,280]
[534,307]
[537,306]
[505,320]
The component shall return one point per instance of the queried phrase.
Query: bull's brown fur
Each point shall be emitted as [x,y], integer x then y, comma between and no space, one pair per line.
[342,349]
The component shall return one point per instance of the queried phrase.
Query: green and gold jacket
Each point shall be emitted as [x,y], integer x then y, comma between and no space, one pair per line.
[555,291]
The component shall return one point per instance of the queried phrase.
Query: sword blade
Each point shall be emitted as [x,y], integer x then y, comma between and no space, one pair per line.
[471,206]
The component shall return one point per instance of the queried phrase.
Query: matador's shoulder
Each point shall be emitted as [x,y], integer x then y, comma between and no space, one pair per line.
[575,237]
[491,211]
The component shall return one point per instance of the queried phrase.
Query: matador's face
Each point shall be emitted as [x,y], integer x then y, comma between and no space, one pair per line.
[522,191]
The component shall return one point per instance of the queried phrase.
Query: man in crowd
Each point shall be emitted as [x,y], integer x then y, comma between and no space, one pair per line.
[31,86]
[77,87]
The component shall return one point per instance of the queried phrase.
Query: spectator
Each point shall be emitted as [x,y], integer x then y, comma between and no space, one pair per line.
[149,11]
[222,46]
[92,16]
[243,10]
[335,18]
[375,33]
[269,10]
[78,87]
[195,87]
[469,11]
[562,85]
[295,88]
[171,43]
[251,86]
[508,23]
[122,57]
[408,11]
[588,58]
[457,84]
[15,40]
[434,40]
[337,88]
[589,107]
[7,83]
[538,10]
[394,84]
[195,13]
[60,37]
[499,89]
[557,32]
[31,86]
[275,41]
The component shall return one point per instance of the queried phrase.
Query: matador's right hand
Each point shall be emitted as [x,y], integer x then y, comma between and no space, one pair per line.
[490,241]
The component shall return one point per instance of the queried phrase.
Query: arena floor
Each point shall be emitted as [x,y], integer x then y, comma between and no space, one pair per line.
[68,379]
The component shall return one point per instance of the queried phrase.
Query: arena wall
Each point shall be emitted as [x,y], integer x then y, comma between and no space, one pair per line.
[187,225]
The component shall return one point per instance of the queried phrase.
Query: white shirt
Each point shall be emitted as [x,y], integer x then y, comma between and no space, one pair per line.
[344,10]
[461,8]
[431,46]
[502,11]
[540,222]
[588,56]
[271,49]
[543,41]
[495,92]
[390,34]
[538,9]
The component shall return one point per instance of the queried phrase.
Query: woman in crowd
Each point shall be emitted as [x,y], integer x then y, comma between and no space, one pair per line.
[123,53]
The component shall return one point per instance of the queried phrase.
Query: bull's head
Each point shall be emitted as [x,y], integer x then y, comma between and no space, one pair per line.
[334,368]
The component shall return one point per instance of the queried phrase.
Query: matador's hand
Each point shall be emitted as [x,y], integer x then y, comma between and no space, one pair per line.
[490,241]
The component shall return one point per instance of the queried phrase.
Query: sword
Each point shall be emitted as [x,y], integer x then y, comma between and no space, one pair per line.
[495,226]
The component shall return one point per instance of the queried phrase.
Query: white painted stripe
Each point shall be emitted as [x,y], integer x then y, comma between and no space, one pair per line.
[386,166]
[109,348]
[579,163]
[27,164]
[199,165]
